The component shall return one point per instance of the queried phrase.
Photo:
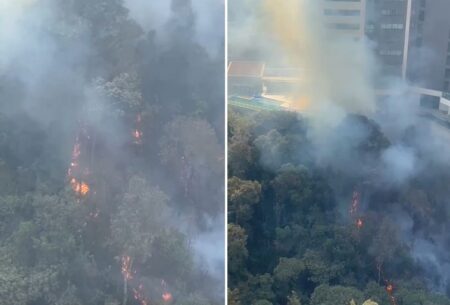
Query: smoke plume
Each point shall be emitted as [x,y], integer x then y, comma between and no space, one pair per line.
[382,144]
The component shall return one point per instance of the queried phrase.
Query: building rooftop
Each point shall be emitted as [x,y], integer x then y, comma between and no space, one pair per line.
[246,69]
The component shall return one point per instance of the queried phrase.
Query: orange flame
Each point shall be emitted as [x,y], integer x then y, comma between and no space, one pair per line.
[84,189]
[359,223]
[167,296]
[390,289]
[80,188]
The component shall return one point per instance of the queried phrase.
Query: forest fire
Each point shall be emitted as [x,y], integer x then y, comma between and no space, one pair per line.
[359,223]
[390,291]
[84,189]
[126,268]
[79,186]
[76,149]
[140,296]
[137,133]
[75,155]
[354,207]
[355,203]
[167,297]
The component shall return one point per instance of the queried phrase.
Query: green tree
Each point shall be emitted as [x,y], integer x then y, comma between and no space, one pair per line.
[122,95]
[241,155]
[262,302]
[288,269]
[237,252]
[190,149]
[293,299]
[336,295]
[261,287]
[233,296]
[242,196]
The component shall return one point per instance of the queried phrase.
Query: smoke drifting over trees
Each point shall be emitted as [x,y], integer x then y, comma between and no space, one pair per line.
[105,198]
[297,235]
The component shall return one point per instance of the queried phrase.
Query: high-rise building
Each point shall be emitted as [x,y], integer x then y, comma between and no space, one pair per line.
[387,25]
[429,60]
[411,38]
[384,22]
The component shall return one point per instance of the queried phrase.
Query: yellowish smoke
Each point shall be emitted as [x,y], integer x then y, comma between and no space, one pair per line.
[338,69]
[288,25]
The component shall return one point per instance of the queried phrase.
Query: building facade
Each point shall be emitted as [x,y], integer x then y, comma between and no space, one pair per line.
[411,38]
[429,60]
[345,16]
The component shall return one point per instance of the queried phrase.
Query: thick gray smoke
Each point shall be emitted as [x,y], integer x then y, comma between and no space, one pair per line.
[209,31]
[399,164]
[98,64]
[211,248]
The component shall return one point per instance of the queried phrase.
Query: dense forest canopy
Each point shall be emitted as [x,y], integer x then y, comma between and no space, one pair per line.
[361,215]
[111,155]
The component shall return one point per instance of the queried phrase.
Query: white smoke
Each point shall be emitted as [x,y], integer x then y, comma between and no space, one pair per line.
[209,19]
[399,164]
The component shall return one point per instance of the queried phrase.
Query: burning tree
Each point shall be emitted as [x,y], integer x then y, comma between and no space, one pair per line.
[78,171]
[354,212]
[141,217]
[137,132]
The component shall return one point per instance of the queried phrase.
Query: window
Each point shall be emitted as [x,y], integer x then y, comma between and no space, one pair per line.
[448,60]
[392,26]
[390,12]
[419,42]
[420,27]
[370,28]
[344,26]
[447,73]
[422,15]
[446,86]
[330,12]
[391,52]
